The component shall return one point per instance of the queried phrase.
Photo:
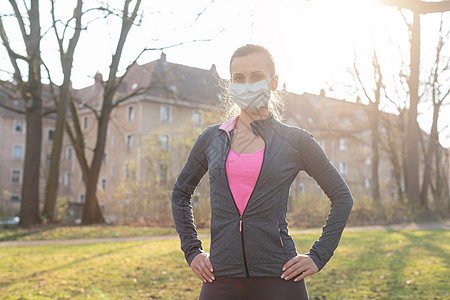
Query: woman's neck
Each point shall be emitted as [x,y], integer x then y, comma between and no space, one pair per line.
[246,117]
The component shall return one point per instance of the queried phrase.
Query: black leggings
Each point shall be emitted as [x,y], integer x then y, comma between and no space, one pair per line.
[253,288]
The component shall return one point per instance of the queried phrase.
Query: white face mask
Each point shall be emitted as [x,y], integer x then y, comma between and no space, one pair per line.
[251,96]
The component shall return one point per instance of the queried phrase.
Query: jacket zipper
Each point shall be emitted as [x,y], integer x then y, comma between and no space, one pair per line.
[241,217]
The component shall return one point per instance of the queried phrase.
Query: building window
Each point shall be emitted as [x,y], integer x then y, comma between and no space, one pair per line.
[196,120]
[113,169]
[368,160]
[164,142]
[105,158]
[16,176]
[113,141]
[104,183]
[127,170]
[162,171]
[129,141]
[67,178]
[130,113]
[80,177]
[69,153]
[367,183]
[17,151]
[18,126]
[343,167]
[301,188]
[81,197]
[50,134]
[48,159]
[15,198]
[85,123]
[165,113]
[343,144]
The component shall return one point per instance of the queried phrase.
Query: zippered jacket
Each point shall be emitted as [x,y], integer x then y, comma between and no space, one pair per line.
[257,244]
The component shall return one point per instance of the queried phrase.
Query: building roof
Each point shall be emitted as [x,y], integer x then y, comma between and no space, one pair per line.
[163,80]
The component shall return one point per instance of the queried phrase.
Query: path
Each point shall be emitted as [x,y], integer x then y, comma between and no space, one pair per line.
[412,226]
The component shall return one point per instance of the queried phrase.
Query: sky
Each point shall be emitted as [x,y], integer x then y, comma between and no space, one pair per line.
[313,42]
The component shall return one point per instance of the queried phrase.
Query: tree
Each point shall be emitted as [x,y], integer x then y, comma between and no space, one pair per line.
[412,131]
[374,117]
[63,97]
[438,92]
[29,86]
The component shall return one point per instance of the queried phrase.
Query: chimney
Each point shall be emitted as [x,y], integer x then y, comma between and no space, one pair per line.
[163,57]
[358,99]
[322,92]
[98,77]
[213,68]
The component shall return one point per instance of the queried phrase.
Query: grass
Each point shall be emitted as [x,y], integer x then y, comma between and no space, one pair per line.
[367,265]
[82,232]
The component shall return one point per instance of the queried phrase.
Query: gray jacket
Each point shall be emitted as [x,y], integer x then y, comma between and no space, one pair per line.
[258,243]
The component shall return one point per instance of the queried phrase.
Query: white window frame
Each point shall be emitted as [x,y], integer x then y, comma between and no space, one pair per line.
[105,158]
[129,141]
[113,141]
[165,113]
[343,168]
[196,118]
[48,134]
[103,183]
[81,197]
[164,142]
[69,153]
[67,178]
[343,144]
[11,176]
[130,113]
[85,122]
[22,126]
[13,152]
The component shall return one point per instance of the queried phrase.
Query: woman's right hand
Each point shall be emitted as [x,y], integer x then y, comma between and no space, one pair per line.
[202,267]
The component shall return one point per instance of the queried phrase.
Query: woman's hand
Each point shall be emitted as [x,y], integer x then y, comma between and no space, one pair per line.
[203,267]
[302,265]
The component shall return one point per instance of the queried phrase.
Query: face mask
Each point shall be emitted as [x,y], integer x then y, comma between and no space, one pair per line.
[251,96]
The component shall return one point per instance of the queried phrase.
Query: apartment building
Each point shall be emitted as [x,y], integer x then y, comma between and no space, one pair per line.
[180,96]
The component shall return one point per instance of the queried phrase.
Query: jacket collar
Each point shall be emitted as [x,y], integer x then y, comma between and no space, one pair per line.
[258,126]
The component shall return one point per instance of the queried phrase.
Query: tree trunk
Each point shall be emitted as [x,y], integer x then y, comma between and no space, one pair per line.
[52,185]
[29,208]
[432,144]
[412,130]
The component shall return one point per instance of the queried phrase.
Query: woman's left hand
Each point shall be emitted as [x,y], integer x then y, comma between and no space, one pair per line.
[302,265]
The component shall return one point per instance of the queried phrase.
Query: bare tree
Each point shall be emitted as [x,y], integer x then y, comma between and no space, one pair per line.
[438,91]
[63,96]
[374,117]
[29,86]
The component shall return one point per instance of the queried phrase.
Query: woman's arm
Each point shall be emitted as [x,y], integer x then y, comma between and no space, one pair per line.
[188,179]
[317,165]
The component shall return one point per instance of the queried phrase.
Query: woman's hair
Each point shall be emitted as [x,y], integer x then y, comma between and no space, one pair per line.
[276,102]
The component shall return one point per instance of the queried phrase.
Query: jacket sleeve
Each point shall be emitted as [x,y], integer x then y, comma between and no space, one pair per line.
[317,165]
[188,179]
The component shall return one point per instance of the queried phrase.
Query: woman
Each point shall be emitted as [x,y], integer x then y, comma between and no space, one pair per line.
[252,160]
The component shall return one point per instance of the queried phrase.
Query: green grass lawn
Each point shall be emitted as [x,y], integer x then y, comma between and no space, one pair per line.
[81,232]
[367,265]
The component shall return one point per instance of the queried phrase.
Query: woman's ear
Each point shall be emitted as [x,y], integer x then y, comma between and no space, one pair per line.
[274,83]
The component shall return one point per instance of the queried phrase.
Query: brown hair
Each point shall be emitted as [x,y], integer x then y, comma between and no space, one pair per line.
[250,49]
[276,102]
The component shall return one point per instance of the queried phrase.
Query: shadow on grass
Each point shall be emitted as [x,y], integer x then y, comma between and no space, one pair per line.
[21,233]
[66,265]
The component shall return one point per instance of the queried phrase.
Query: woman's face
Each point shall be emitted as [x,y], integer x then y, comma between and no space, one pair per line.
[250,69]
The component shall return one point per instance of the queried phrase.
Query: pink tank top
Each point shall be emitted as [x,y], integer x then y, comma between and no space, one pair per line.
[242,173]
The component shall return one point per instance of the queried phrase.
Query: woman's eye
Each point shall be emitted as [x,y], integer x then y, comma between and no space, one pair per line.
[258,77]
[238,79]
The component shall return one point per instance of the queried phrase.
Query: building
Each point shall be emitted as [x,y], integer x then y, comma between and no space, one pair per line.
[168,97]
